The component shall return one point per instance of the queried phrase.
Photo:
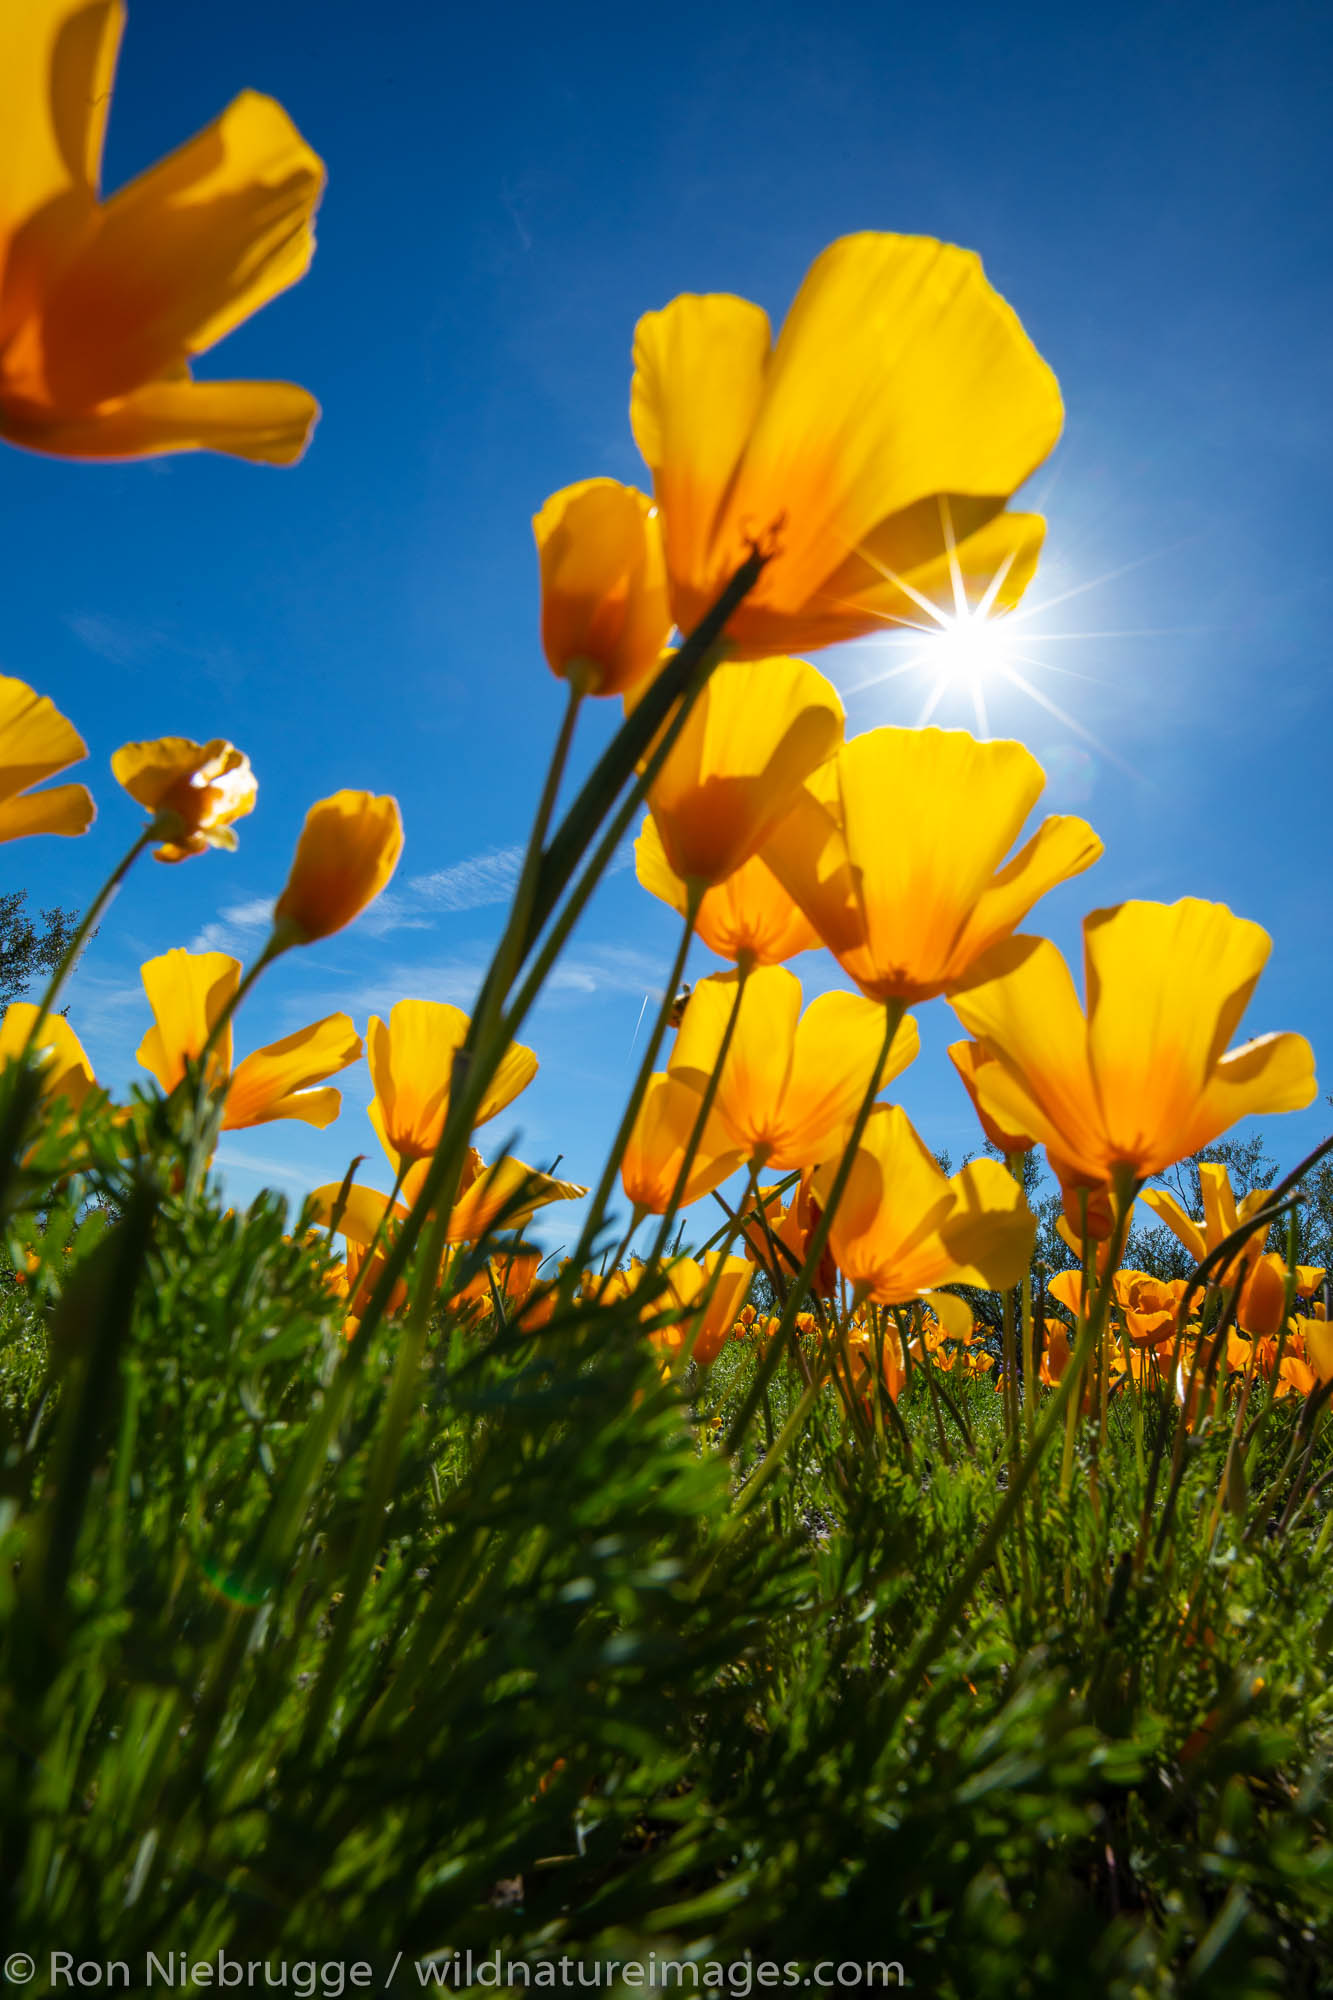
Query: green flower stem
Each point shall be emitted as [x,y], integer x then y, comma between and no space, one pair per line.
[1091,1331]
[683,674]
[87,924]
[893,1014]
[707,1099]
[17,1104]
[593,1219]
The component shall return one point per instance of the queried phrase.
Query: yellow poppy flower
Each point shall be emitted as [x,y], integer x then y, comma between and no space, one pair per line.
[792,1083]
[484,1192]
[967,1058]
[193,790]
[103,303]
[705,1330]
[480,1205]
[652,1159]
[605,616]
[35,742]
[757,731]
[187,992]
[1222,1216]
[1141,1080]
[412,1065]
[749,915]
[66,1070]
[348,849]
[902,1227]
[876,444]
[895,851]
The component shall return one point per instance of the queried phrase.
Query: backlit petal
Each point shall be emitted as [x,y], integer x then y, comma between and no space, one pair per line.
[899,373]
[182,255]
[61,809]
[36,740]
[1060,848]
[266,1084]
[698,378]
[1273,1073]
[757,731]
[838,1040]
[1021,1004]
[1182,1226]
[187,991]
[1151,1062]
[268,422]
[57,60]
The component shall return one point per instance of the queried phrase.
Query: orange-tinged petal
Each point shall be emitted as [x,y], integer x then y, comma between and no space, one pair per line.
[181,256]
[791,1084]
[656,1148]
[838,1040]
[269,423]
[363,1211]
[509,1187]
[755,734]
[698,380]
[196,791]
[903,1229]
[1151,1063]
[1260,1310]
[1271,1073]
[1023,1007]
[1069,1289]
[754,1077]
[1183,1227]
[749,914]
[60,809]
[988,1236]
[411,1066]
[898,376]
[1059,849]
[967,1058]
[892,852]
[57,60]
[605,615]
[187,992]
[899,373]
[1319,1346]
[906,567]
[36,741]
[348,849]
[895,1196]
[275,1081]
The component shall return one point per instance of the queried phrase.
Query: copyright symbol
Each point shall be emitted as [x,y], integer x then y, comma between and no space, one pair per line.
[19,1968]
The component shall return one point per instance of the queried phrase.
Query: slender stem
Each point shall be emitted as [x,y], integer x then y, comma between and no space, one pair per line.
[893,1014]
[87,924]
[593,1218]
[707,1099]
[1090,1333]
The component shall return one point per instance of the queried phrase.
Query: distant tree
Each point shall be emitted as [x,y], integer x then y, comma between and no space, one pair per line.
[27,948]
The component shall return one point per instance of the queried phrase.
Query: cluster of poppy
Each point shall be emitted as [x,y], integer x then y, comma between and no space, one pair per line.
[1241,1326]
[858,469]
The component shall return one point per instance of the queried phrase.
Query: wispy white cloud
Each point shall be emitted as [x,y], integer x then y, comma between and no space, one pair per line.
[597,969]
[478,882]
[119,640]
[472,884]
[236,928]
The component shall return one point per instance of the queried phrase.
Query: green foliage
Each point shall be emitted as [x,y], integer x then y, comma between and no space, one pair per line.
[588,1706]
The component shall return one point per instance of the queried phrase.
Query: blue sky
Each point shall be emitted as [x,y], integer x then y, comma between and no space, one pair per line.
[508,191]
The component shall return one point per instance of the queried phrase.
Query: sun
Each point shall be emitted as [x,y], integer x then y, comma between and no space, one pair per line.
[965,649]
